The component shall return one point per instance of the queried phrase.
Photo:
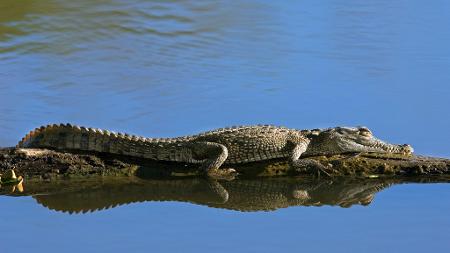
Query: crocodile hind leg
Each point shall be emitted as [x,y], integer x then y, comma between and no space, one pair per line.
[213,156]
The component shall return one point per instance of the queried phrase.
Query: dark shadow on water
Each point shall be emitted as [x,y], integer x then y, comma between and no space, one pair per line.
[76,196]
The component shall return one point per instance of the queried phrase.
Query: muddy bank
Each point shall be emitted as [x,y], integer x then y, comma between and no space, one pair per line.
[48,164]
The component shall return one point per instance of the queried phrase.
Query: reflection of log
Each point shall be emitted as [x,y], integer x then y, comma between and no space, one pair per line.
[47,164]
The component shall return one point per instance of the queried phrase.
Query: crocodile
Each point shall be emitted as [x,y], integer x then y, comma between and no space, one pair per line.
[224,146]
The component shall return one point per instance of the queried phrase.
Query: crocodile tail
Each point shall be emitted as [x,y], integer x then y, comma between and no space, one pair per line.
[30,139]
[71,137]
[50,136]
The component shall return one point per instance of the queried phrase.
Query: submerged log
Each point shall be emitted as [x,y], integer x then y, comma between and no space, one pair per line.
[49,164]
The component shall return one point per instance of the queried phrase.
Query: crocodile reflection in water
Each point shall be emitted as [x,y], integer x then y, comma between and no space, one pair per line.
[239,195]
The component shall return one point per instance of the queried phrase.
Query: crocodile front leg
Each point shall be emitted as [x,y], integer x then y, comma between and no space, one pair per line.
[213,155]
[306,163]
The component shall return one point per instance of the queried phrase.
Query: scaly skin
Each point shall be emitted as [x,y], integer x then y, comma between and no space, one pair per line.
[212,149]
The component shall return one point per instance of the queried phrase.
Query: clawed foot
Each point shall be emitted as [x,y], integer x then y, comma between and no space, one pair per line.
[314,167]
[222,174]
[325,170]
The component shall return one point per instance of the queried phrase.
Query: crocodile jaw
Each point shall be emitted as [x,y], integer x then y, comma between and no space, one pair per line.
[351,139]
[375,145]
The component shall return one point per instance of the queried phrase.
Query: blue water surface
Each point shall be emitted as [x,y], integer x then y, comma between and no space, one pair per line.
[411,218]
[169,68]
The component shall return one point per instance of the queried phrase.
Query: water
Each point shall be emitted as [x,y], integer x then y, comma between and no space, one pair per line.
[168,68]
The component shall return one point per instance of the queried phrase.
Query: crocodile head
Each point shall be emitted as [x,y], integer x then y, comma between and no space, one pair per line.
[340,140]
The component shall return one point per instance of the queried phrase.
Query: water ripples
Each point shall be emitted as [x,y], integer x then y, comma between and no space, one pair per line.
[144,65]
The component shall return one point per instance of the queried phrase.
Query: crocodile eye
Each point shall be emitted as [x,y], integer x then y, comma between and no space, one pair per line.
[364,131]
